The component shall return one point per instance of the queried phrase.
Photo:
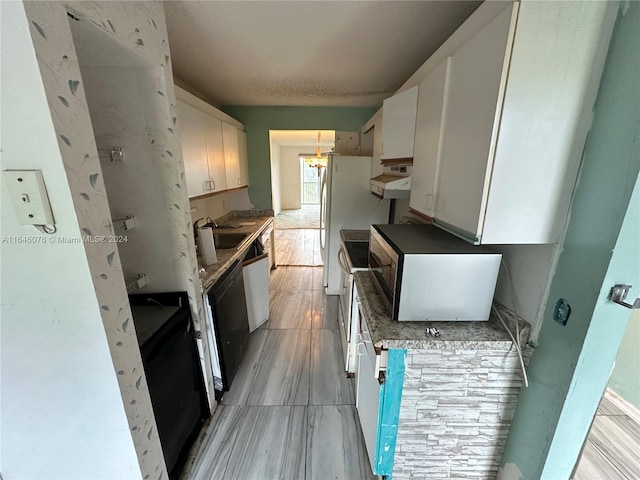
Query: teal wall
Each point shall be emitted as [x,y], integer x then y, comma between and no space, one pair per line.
[259,120]
[625,379]
[570,368]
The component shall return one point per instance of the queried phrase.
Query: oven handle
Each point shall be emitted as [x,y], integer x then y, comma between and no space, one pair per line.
[342,260]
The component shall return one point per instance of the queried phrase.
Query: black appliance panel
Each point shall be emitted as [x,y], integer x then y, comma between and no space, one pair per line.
[358,253]
[230,319]
[172,369]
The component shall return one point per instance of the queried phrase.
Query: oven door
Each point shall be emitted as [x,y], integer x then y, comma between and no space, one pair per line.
[383,262]
[345,289]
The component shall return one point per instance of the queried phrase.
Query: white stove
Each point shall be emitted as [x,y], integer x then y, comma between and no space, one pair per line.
[352,257]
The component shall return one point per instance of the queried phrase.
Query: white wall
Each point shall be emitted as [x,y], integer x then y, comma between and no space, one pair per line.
[290,187]
[216,206]
[138,27]
[530,267]
[275,178]
[62,412]
[121,113]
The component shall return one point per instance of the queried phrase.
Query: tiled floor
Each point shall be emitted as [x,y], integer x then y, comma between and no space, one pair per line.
[612,451]
[298,247]
[290,413]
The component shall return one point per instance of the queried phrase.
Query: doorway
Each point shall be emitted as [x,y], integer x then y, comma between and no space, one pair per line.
[298,160]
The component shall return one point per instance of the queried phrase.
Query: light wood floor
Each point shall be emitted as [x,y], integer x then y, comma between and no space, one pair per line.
[612,451]
[290,412]
[298,247]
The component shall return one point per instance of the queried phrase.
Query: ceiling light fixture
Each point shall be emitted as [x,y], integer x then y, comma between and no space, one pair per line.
[319,161]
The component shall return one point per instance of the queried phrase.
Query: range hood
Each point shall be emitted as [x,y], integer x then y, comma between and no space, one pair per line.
[391,186]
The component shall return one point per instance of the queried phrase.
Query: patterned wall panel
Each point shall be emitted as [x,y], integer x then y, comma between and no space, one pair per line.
[140,27]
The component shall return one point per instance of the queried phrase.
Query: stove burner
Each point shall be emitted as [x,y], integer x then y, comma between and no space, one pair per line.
[358,253]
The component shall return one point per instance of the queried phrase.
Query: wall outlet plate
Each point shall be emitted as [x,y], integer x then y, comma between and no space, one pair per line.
[561,311]
[28,196]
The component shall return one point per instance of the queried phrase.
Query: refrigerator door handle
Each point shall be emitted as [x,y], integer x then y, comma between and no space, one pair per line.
[323,216]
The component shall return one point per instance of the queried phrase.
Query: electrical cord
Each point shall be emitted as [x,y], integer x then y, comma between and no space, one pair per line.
[516,341]
[517,344]
[49,229]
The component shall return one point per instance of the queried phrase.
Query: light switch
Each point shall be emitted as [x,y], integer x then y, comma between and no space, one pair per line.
[29,196]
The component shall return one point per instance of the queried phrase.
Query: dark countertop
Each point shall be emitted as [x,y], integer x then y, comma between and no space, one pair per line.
[251,222]
[385,333]
[149,319]
[354,235]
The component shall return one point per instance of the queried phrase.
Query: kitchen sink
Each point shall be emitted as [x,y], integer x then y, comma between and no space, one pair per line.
[228,240]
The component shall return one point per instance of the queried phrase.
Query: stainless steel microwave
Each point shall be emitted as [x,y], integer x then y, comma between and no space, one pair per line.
[426,274]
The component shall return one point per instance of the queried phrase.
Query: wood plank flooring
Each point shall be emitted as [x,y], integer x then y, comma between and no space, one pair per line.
[298,247]
[612,451]
[290,413]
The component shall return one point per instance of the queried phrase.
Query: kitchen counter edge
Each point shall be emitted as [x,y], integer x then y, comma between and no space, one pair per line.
[227,256]
[387,334]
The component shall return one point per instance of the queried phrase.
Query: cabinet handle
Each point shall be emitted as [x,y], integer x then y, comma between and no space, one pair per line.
[362,336]
[436,203]
[214,184]
[428,201]
[239,181]
[358,352]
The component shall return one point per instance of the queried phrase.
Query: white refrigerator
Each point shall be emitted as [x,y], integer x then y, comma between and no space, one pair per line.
[346,202]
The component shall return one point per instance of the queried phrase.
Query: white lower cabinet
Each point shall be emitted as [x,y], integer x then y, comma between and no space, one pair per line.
[379,379]
[368,400]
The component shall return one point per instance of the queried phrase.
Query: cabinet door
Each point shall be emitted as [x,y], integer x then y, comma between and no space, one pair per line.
[376,166]
[368,403]
[243,158]
[398,124]
[426,152]
[476,82]
[194,148]
[231,157]
[215,154]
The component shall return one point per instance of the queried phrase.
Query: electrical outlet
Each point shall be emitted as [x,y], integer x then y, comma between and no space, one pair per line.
[561,311]
[29,197]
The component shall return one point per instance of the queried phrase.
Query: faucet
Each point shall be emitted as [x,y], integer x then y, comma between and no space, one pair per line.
[195,228]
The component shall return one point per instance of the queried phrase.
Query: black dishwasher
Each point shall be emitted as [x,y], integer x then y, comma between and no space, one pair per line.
[172,368]
[230,320]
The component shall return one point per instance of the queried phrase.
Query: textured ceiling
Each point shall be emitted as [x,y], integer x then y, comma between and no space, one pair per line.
[303,53]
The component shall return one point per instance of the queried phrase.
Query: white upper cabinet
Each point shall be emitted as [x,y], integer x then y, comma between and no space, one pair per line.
[202,151]
[244,158]
[215,154]
[231,155]
[213,150]
[194,148]
[398,125]
[475,84]
[426,152]
[515,113]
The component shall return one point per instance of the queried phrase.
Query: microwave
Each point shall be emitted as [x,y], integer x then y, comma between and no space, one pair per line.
[426,274]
